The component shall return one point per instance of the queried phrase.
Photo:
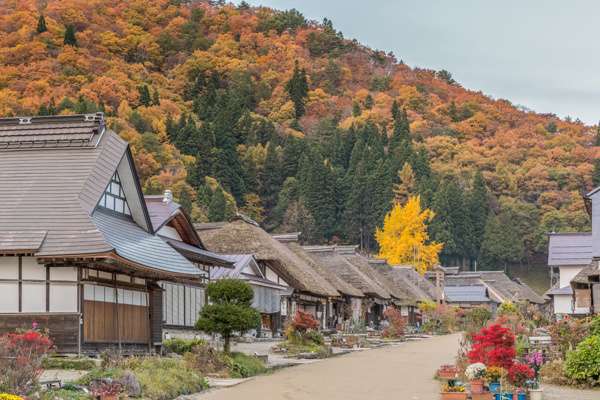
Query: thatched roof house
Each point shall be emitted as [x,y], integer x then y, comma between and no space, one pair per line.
[413,284]
[242,237]
[347,271]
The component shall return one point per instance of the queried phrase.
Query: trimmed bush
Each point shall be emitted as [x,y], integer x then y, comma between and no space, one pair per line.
[583,363]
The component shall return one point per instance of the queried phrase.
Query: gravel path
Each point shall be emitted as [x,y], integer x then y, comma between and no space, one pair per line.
[561,393]
[401,372]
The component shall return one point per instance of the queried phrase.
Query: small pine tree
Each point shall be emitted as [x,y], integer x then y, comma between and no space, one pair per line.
[144,99]
[297,87]
[155,98]
[596,173]
[356,111]
[41,27]
[218,204]
[70,38]
[229,309]
[369,102]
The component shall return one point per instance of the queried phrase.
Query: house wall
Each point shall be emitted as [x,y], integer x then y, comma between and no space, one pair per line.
[182,304]
[567,273]
[562,305]
[169,232]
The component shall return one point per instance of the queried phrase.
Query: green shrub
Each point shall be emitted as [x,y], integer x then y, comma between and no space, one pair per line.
[583,363]
[64,394]
[99,373]
[252,364]
[315,337]
[80,364]
[166,379]
[181,346]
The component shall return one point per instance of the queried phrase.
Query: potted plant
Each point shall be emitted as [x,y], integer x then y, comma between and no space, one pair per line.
[520,394]
[453,392]
[107,390]
[518,375]
[482,394]
[494,375]
[449,371]
[505,392]
[535,393]
[476,374]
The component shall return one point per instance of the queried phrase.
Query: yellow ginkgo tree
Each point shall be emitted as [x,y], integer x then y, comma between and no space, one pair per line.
[404,233]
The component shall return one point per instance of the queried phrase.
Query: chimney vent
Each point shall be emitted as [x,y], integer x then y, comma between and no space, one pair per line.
[168,197]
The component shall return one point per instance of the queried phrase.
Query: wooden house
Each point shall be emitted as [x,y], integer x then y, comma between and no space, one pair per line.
[338,306]
[183,298]
[305,288]
[79,254]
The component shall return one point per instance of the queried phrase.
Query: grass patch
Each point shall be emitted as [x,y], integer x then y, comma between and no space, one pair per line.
[536,276]
[78,364]
[181,346]
[292,347]
[159,378]
[250,365]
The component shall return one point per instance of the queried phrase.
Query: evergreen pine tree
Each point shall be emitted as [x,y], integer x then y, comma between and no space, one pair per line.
[185,200]
[170,127]
[295,125]
[478,210]
[272,178]
[356,111]
[395,110]
[291,157]
[596,173]
[70,38]
[297,87]
[356,215]
[598,134]
[41,27]
[187,139]
[453,112]
[218,204]
[155,98]
[369,102]
[144,99]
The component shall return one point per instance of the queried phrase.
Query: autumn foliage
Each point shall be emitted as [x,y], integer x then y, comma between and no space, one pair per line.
[302,322]
[395,327]
[494,346]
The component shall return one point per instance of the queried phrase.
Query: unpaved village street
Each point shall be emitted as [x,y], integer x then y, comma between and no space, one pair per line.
[402,372]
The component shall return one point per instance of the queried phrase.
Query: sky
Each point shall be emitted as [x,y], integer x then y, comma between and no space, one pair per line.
[540,54]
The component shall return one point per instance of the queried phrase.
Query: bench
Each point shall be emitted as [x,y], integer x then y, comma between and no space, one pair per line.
[49,384]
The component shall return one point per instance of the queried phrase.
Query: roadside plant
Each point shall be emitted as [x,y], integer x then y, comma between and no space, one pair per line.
[583,363]
[508,308]
[230,309]
[449,368]
[477,319]
[494,374]
[302,322]
[494,347]
[568,333]
[453,388]
[476,371]
[519,374]
[535,360]
[21,355]
[395,329]
[107,389]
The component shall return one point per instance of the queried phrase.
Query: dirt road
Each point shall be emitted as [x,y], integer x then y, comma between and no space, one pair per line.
[402,372]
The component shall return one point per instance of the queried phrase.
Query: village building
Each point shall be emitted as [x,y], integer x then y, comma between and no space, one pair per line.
[415,287]
[305,289]
[568,254]
[340,308]
[182,298]
[78,250]
[267,294]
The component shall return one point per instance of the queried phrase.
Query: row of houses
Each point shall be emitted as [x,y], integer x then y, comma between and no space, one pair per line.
[85,254]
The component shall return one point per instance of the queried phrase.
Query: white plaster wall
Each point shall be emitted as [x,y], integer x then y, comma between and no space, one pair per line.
[566,274]
[169,232]
[9,291]
[562,305]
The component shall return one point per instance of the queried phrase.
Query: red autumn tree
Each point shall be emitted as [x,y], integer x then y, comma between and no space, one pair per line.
[302,323]
[494,346]
[395,329]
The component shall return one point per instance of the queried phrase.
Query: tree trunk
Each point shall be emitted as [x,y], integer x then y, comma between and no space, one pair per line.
[226,345]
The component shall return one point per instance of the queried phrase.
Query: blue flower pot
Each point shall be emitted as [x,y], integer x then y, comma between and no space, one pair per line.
[494,386]
[521,396]
[508,396]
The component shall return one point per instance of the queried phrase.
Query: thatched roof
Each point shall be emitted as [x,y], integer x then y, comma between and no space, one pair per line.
[240,237]
[588,275]
[363,265]
[347,271]
[340,284]
[413,285]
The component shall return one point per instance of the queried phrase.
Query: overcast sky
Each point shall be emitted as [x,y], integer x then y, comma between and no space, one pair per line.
[538,53]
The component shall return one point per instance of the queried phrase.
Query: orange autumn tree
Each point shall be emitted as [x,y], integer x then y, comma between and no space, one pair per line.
[404,233]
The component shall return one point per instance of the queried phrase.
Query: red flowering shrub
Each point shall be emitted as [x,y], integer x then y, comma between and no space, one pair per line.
[494,346]
[21,355]
[395,329]
[302,323]
[518,374]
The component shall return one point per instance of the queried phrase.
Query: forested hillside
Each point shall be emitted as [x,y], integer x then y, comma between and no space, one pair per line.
[239,107]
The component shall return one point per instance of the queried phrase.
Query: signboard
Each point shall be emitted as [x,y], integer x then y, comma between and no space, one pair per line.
[284,307]
[294,308]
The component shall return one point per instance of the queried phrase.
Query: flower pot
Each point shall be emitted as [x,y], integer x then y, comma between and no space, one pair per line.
[482,396]
[476,385]
[110,397]
[519,396]
[535,394]
[494,386]
[448,374]
[454,395]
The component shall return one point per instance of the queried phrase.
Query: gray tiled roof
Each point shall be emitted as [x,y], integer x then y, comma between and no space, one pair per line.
[204,254]
[570,249]
[27,240]
[464,294]
[136,245]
